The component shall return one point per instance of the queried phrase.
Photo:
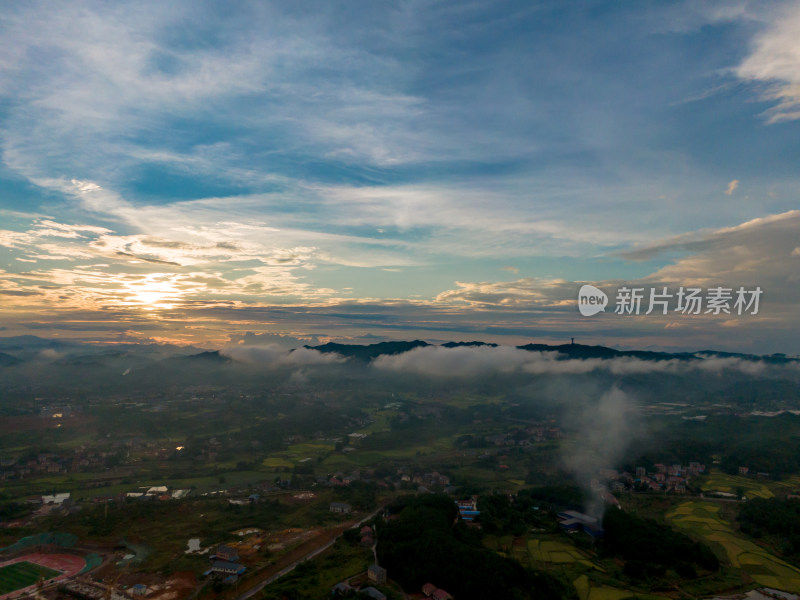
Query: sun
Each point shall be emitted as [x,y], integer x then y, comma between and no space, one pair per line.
[156,291]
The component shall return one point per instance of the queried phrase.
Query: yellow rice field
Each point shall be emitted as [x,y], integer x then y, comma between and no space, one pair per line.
[702,519]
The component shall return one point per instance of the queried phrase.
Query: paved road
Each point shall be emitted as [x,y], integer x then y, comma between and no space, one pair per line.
[289,568]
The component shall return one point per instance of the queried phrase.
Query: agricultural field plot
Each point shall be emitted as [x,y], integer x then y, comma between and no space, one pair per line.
[722,482]
[277,462]
[22,574]
[588,590]
[789,484]
[372,453]
[538,553]
[298,454]
[702,519]
[380,422]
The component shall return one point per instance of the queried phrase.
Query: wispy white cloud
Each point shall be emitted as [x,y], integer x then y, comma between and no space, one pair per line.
[774,62]
[274,356]
[484,360]
[528,292]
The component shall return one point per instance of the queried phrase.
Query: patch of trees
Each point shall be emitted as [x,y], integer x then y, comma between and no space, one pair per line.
[650,548]
[541,466]
[773,516]
[775,457]
[529,508]
[555,497]
[471,441]
[427,543]
[12,510]
[361,494]
[767,445]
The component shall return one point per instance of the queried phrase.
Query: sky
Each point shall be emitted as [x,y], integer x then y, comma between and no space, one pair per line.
[217,173]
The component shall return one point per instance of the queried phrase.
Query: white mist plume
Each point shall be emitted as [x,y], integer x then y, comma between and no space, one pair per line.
[273,356]
[465,361]
[603,431]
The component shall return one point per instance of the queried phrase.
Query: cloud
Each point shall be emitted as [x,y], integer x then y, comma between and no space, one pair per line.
[274,356]
[287,341]
[528,292]
[753,253]
[466,361]
[732,185]
[253,162]
[774,62]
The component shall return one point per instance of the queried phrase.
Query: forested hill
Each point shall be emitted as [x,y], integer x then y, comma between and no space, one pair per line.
[368,352]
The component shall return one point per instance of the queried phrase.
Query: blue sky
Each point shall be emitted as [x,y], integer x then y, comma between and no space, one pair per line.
[188,172]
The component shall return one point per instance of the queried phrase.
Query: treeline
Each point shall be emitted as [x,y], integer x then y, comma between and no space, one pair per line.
[426,542]
[363,495]
[773,516]
[533,507]
[650,548]
[763,444]
[774,457]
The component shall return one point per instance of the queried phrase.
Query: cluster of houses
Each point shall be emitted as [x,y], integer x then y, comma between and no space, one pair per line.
[157,492]
[340,479]
[665,478]
[224,564]
[424,481]
[49,463]
[427,479]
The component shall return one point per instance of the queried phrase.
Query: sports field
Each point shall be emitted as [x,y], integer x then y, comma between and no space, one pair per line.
[22,574]
[25,571]
[702,519]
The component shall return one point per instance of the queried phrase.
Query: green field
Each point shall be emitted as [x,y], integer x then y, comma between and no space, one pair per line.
[587,590]
[556,552]
[722,482]
[22,574]
[552,552]
[702,519]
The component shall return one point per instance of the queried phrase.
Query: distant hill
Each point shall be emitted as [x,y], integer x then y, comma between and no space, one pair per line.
[30,341]
[212,356]
[566,351]
[582,351]
[371,351]
[6,360]
[459,344]
[21,350]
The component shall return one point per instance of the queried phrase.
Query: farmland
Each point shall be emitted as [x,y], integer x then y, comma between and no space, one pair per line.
[728,484]
[703,520]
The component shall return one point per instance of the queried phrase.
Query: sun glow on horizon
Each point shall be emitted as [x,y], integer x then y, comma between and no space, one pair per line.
[156,291]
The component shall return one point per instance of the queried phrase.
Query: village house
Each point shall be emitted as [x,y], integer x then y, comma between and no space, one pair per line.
[340,507]
[226,553]
[376,574]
